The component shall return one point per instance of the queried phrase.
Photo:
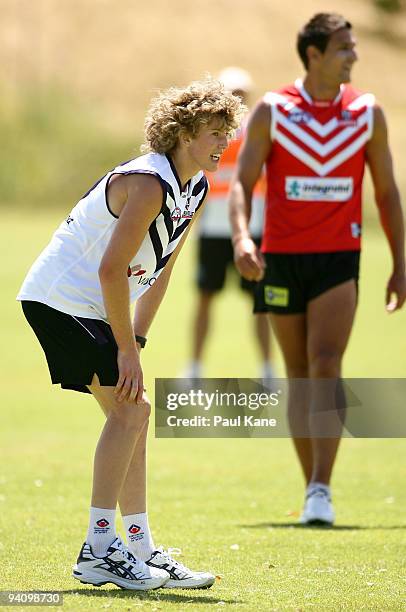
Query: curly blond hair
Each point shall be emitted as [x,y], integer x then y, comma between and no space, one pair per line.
[177,111]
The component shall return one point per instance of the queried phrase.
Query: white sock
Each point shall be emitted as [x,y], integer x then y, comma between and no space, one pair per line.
[317,485]
[267,371]
[102,530]
[193,370]
[138,535]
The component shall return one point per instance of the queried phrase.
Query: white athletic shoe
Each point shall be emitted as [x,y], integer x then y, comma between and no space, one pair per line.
[318,509]
[119,566]
[192,371]
[180,577]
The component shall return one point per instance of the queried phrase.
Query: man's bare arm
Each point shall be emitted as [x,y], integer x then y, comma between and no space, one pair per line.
[137,199]
[387,198]
[254,151]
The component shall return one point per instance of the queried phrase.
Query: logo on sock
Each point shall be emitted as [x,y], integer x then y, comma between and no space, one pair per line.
[135,533]
[103,526]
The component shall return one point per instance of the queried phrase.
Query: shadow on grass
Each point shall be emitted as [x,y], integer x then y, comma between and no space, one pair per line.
[320,527]
[188,597]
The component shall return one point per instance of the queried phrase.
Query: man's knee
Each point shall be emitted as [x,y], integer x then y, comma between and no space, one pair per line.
[131,416]
[325,363]
[297,370]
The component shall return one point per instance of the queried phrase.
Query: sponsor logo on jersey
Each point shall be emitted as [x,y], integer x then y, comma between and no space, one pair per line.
[135,270]
[139,272]
[299,116]
[146,280]
[313,189]
[187,214]
[176,214]
[276,296]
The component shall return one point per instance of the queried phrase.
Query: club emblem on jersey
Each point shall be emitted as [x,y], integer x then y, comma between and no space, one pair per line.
[347,118]
[299,116]
[176,214]
[135,271]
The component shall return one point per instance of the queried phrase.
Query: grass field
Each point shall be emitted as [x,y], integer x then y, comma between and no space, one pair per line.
[230,505]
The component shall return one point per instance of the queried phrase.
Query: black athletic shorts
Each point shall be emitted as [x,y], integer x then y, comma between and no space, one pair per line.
[76,348]
[292,280]
[215,255]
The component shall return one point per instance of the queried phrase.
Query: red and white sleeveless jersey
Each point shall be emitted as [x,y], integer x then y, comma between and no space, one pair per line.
[315,170]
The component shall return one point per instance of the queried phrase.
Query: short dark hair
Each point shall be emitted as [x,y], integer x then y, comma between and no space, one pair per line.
[318,32]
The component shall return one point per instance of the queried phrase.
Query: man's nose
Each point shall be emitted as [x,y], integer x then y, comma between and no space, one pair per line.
[224,141]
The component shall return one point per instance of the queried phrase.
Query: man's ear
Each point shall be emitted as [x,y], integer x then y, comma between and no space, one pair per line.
[313,54]
[185,138]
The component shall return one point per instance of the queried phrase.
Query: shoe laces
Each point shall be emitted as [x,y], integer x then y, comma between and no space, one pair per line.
[128,556]
[167,554]
[319,492]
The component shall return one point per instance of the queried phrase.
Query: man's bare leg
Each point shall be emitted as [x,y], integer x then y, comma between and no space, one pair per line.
[132,495]
[199,332]
[290,331]
[329,322]
[126,425]
[132,500]
[201,324]
[263,335]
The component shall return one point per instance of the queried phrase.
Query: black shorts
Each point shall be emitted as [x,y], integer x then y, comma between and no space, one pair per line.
[76,348]
[292,280]
[215,255]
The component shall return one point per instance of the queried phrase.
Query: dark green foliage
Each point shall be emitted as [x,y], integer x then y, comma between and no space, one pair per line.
[389,6]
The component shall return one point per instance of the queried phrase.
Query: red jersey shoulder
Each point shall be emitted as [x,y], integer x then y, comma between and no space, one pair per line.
[291,92]
[350,94]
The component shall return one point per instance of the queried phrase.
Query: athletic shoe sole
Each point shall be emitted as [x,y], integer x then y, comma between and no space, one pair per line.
[317,522]
[97,580]
[189,584]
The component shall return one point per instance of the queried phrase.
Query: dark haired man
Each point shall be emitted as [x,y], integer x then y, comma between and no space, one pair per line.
[315,137]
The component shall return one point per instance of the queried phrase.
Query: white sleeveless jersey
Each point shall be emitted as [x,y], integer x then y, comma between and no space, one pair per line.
[65,275]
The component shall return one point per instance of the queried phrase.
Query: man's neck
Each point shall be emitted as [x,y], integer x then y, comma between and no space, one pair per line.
[320,90]
[184,168]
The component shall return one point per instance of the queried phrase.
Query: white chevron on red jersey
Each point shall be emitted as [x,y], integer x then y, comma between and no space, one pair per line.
[315,169]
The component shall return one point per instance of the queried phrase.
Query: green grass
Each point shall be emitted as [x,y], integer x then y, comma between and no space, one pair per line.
[205,495]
